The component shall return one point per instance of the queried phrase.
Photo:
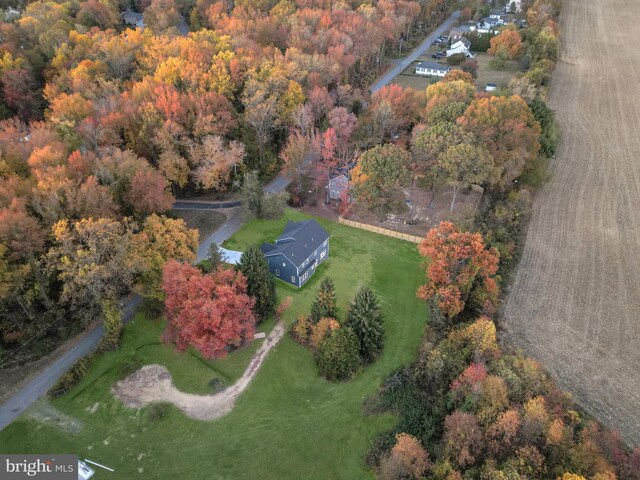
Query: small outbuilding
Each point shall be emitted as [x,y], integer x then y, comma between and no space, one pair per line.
[297,252]
[432,69]
[491,87]
[337,186]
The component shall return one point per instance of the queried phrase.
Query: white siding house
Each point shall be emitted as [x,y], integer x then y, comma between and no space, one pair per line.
[432,69]
[461,46]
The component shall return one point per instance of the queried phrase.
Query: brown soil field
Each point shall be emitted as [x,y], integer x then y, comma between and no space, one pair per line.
[574,303]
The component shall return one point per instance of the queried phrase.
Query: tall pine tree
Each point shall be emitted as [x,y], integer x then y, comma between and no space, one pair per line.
[260,283]
[325,303]
[365,319]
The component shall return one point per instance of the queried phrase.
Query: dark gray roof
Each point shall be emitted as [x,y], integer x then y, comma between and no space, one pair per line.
[465,41]
[297,241]
[432,65]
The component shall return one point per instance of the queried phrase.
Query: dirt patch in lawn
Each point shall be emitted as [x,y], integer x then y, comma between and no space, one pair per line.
[45,413]
[153,383]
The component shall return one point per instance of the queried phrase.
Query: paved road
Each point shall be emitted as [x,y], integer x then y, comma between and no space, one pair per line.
[201,205]
[39,386]
[413,56]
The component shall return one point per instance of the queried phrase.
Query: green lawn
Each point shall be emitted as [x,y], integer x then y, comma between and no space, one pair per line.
[289,424]
[486,74]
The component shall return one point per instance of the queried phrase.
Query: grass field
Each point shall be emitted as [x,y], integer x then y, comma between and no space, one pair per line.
[289,424]
[488,75]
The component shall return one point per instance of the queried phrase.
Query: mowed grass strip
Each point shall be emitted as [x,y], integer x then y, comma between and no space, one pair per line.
[289,424]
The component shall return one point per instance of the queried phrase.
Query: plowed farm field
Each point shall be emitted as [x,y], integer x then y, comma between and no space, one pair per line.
[575,300]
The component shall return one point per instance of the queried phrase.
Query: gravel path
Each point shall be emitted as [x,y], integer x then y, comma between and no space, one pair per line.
[575,301]
[152,383]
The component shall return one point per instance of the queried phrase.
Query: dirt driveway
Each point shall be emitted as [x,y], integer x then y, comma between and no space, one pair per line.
[575,301]
[152,383]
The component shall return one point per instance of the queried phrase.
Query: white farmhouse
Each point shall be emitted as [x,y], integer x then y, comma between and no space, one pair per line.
[432,68]
[461,46]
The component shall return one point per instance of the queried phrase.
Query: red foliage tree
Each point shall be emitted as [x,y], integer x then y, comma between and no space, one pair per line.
[212,313]
[456,260]
[20,231]
[463,438]
[148,193]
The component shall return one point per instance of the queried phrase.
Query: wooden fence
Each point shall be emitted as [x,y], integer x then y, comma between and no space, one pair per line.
[381,231]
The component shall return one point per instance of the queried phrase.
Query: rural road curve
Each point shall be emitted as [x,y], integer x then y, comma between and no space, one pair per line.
[201,205]
[574,304]
[415,53]
[41,383]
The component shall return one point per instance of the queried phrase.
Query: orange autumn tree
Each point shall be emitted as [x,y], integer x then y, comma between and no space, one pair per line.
[212,313]
[509,41]
[408,459]
[508,128]
[455,261]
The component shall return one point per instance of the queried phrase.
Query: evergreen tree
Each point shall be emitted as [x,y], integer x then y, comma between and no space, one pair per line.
[260,283]
[325,303]
[338,357]
[215,256]
[365,319]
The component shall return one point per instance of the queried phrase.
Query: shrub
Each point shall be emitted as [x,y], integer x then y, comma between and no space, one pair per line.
[301,329]
[217,384]
[132,364]
[338,357]
[499,62]
[456,59]
[158,411]
[112,326]
[470,65]
[152,307]
[71,378]
[321,329]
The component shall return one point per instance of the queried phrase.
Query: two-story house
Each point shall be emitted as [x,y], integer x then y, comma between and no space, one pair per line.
[297,252]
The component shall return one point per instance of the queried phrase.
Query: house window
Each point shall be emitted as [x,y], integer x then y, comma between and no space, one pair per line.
[293,279]
[324,252]
[277,272]
[284,264]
